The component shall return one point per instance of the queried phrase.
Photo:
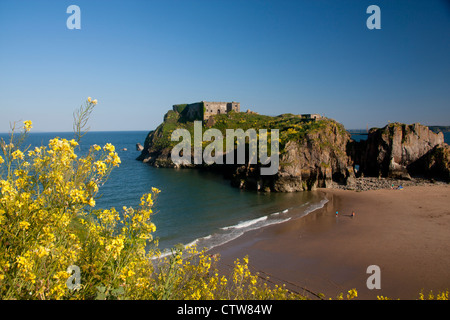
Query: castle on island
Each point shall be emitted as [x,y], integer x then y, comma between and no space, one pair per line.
[204,110]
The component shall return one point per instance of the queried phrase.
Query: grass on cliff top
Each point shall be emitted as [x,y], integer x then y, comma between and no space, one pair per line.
[291,127]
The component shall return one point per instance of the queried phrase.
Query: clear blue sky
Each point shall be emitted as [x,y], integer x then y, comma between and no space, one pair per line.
[138,58]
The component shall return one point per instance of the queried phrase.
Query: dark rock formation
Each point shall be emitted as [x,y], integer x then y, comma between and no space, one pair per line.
[154,153]
[435,164]
[315,161]
[393,151]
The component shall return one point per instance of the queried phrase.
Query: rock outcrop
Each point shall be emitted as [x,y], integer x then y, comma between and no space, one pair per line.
[393,151]
[315,154]
[314,161]
[312,155]
[153,153]
[435,164]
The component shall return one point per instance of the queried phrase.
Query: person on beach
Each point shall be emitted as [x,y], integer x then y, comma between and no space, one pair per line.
[353,214]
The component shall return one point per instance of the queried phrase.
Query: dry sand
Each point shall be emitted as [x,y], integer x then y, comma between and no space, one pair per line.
[404,232]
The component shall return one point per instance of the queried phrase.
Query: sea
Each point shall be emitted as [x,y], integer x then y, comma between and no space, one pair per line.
[194,207]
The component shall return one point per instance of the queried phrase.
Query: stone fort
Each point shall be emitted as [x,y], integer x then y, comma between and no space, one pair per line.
[205,109]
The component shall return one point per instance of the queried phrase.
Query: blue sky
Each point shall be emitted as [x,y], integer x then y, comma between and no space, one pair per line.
[140,57]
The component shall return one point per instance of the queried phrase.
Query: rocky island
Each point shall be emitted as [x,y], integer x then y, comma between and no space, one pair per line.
[315,152]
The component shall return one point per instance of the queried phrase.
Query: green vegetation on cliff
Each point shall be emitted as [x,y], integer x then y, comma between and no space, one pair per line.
[291,127]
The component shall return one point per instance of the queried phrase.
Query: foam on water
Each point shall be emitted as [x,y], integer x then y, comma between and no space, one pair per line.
[229,233]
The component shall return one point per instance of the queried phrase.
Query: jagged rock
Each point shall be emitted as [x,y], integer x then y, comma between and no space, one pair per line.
[389,151]
[435,164]
[139,147]
[314,161]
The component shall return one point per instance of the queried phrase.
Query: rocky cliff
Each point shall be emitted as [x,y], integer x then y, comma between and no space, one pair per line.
[314,154]
[157,146]
[434,164]
[313,160]
[395,150]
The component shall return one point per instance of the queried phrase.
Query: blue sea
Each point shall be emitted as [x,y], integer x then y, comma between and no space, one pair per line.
[193,206]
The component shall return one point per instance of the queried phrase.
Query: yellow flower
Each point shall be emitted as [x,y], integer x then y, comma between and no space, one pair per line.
[116,160]
[73,143]
[24,225]
[93,186]
[24,263]
[352,294]
[17,154]
[109,147]
[28,125]
[1,160]
[100,167]
[155,190]
[77,195]
[31,277]
[96,147]
[89,99]
[91,202]
[42,251]
[94,102]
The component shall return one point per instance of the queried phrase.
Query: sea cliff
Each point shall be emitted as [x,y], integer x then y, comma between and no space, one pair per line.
[314,153]
[400,151]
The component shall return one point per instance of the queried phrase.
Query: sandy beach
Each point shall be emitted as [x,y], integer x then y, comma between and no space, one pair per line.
[404,232]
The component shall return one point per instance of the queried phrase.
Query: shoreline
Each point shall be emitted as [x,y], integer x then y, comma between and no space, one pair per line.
[404,232]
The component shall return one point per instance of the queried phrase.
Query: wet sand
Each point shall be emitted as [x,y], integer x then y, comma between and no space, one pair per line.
[404,232]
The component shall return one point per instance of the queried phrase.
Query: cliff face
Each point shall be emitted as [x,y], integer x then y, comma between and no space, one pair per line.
[393,151]
[434,164]
[314,154]
[311,162]
[153,154]
[157,146]
[315,161]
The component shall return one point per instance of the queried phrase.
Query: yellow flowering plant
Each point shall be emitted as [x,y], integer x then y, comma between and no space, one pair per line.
[48,222]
